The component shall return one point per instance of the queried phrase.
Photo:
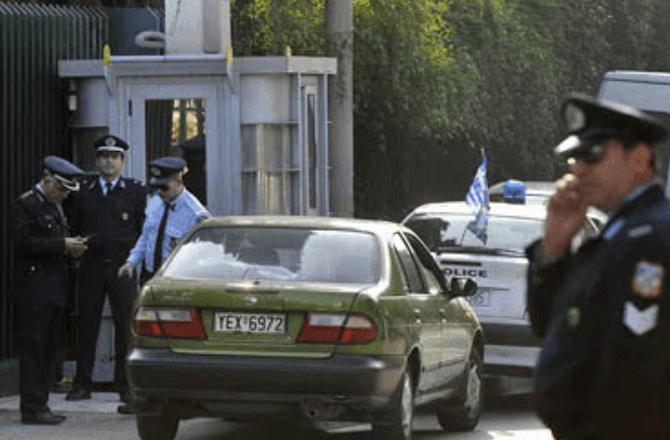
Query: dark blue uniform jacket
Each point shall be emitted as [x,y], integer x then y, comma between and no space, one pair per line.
[112,222]
[39,244]
[604,314]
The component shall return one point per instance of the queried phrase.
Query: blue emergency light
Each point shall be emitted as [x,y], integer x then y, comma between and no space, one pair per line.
[514,191]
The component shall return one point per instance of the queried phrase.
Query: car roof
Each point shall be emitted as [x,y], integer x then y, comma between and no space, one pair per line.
[538,212]
[532,187]
[377,227]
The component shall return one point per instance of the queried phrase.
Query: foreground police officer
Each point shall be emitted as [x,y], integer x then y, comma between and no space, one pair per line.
[42,245]
[604,310]
[109,210]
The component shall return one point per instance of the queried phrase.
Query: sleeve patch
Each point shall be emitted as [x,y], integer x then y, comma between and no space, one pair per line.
[648,280]
[640,321]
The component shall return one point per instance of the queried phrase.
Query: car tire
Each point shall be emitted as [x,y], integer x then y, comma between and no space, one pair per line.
[466,416]
[161,426]
[397,423]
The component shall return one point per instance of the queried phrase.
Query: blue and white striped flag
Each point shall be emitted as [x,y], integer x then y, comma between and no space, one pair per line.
[478,200]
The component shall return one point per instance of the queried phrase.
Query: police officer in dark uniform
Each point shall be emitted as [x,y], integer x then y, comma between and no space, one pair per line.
[110,211]
[41,246]
[604,309]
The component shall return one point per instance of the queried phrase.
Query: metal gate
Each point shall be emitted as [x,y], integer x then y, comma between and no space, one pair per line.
[33,112]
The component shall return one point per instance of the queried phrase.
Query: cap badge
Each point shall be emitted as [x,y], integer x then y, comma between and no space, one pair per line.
[574,117]
[110,142]
[124,216]
[155,171]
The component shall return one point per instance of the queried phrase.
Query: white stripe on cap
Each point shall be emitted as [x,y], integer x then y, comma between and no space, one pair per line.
[111,148]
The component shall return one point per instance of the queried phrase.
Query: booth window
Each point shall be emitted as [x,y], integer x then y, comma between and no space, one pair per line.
[270,169]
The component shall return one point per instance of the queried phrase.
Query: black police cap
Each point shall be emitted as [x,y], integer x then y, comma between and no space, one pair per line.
[64,171]
[590,121]
[163,169]
[110,143]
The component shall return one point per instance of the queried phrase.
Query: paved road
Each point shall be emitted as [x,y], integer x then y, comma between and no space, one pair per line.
[508,421]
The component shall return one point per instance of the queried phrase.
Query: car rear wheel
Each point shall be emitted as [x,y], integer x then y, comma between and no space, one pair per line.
[466,416]
[397,423]
[161,426]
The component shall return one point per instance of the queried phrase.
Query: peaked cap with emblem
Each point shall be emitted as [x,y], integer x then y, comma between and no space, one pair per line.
[64,171]
[590,121]
[110,143]
[163,169]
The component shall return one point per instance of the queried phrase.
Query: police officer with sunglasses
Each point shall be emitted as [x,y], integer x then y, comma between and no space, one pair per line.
[604,309]
[171,212]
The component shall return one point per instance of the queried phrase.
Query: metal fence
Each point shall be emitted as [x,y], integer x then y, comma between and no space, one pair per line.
[33,114]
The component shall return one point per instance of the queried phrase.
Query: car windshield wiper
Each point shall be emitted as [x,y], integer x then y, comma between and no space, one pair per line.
[512,252]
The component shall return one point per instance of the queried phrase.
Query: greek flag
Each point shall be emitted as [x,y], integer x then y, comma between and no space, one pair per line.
[478,199]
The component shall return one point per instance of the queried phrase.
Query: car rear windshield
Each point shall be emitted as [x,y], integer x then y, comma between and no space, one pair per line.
[449,231]
[280,254]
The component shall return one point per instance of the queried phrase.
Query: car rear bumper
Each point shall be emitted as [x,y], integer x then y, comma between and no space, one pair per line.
[363,382]
[511,349]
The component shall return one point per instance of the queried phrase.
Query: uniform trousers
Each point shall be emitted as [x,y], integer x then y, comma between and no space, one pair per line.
[39,329]
[98,280]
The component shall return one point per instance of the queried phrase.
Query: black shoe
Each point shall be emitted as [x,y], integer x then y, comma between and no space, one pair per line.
[41,418]
[60,416]
[124,396]
[126,408]
[78,393]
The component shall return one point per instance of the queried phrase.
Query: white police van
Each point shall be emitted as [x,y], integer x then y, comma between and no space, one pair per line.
[499,268]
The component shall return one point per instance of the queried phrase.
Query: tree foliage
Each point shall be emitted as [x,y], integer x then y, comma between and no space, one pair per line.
[437,80]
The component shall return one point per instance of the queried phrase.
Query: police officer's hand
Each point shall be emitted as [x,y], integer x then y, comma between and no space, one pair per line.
[75,246]
[566,214]
[126,271]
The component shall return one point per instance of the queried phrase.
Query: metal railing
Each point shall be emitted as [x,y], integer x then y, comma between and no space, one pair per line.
[33,112]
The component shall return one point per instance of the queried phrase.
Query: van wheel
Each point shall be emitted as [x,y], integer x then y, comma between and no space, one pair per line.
[397,423]
[162,426]
[466,417]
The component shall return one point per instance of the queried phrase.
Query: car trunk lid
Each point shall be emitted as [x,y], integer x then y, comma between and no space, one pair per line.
[254,318]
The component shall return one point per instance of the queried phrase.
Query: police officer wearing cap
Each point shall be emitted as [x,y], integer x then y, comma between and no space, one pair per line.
[604,309]
[110,211]
[171,212]
[42,244]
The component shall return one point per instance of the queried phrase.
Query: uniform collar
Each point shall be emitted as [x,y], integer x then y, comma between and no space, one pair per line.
[40,190]
[643,195]
[180,199]
[115,182]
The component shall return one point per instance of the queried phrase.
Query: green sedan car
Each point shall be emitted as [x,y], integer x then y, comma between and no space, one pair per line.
[322,319]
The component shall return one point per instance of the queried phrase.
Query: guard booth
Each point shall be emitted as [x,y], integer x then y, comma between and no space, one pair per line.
[253,130]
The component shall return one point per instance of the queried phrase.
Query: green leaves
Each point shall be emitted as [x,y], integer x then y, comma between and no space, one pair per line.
[436,80]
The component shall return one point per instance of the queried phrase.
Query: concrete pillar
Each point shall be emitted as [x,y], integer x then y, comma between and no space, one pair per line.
[340,38]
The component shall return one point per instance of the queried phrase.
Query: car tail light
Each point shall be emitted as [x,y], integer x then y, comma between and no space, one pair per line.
[169,322]
[335,327]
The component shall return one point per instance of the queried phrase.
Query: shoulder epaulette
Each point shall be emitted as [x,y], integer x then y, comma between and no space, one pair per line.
[27,194]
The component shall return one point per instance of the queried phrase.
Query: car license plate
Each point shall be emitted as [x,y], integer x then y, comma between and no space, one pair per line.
[249,322]
[479,299]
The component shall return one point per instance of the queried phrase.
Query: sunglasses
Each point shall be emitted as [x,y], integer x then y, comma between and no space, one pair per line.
[161,187]
[591,155]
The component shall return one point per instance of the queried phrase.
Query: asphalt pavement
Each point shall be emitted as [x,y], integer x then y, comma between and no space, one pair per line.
[508,419]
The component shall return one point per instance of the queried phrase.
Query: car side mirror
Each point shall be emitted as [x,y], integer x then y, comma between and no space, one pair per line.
[463,286]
